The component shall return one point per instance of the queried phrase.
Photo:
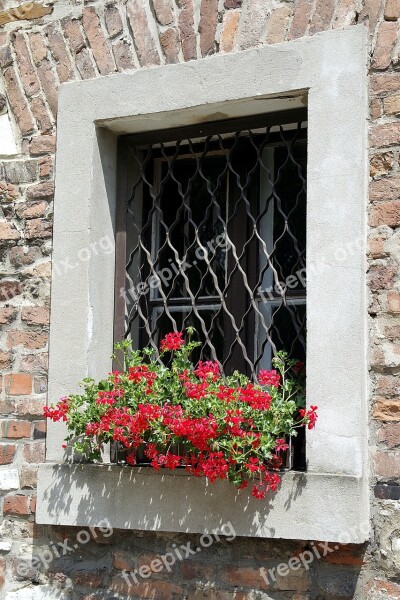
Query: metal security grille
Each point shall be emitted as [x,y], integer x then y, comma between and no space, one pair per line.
[212,234]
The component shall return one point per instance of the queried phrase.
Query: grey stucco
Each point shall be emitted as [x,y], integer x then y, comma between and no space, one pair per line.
[330,71]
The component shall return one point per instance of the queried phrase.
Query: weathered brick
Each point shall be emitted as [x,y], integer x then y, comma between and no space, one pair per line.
[19,171]
[16,429]
[45,167]
[42,144]
[28,339]
[385,213]
[208,26]
[322,16]
[29,407]
[376,247]
[384,83]
[233,3]
[9,289]
[229,32]
[380,165]
[370,12]
[49,85]
[392,10]
[301,18]
[8,192]
[7,315]
[83,59]
[113,20]
[387,409]
[387,464]
[16,505]
[18,384]
[41,191]
[387,188]
[18,102]
[123,55]
[393,302]
[249,577]
[375,108]
[7,452]
[144,41]
[40,385]
[84,64]
[253,25]
[38,47]
[388,385]
[28,11]
[35,315]
[22,255]
[169,40]
[28,476]
[59,52]
[381,277]
[89,578]
[387,134]
[186,26]
[38,229]
[390,435]
[387,34]
[345,13]
[8,232]
[391,105]
[5,360]
[31,210]
[387,492]
[26,69]
[124,560]
[277,24]
[6,57]
[34,452]
[162,590]
[191,569]
[41,114]
[163,11]
[98,43]
[39,430]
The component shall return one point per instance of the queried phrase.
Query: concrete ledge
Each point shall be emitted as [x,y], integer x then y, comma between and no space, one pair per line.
[308,506]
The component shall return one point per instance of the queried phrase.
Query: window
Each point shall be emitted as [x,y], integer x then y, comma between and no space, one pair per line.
[215,229]
[328,74]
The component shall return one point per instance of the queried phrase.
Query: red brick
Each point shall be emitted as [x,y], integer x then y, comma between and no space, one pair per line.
[19,256]
[18,102]
[376,108]
[145,44]
[38,229]
[10,289]
[18,384]
[386,590]
[186,26]
[8,232]
[84,64]
[34,452]
[5,360]
[391,105]
[41,191]
[77,44]
[45,167]
[322,16]
[388,385]
[385,213]
[387,188]
[229,32]
[371,12]
[59,52]
[32,504]
[346,554]
[195,570]
[163,11]
[32,210]
[385,42]
[390,435]
[113,20]
[8,192]
[7,452]
[384,83]
[98,43]
[392,10]
[124,560]
[35,363]
[301,19]
[277,24]
[38,47]
[169,40]
[16,505]
[377,247]
[253,24]
[381,277]
[387,464]
[35,315]
[7,315]
[22,408]
[387,134]
[208,26]
[16,429]
[123,55]
[28,339]
[387,409]
[41,114]
[89,578]
[249,577]
[26,69]
[49,85]
[381,164]
[148,589]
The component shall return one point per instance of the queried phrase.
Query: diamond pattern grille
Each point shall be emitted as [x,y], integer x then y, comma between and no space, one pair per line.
[214,237]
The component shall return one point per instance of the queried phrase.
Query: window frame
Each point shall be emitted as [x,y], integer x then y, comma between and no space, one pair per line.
[329,72]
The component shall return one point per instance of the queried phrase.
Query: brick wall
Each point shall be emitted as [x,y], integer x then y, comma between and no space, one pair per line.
[42,46]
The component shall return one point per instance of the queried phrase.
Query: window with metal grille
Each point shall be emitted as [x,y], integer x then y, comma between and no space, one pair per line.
[211,233]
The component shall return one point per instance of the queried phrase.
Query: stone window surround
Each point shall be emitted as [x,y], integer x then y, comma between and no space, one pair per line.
[329,71]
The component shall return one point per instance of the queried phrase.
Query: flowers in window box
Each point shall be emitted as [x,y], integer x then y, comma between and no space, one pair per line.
[225,427]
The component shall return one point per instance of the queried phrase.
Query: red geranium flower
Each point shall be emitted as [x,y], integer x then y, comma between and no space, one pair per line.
[172,341]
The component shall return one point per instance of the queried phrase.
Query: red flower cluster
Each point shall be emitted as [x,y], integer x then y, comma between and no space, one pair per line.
[172,341]
[208,370]
[59,413]
[255,398]
[271,378]
[142,373]
[310,415]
